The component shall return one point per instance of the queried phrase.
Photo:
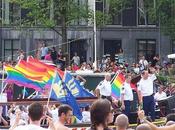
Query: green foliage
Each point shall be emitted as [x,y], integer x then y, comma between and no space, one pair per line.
[102,18]
[39,12]
[163,11]
[115,7]
[50,13]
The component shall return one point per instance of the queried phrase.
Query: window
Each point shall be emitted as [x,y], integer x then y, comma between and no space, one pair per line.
[110,15]
[112,47]
[116,15]
[11,48]
[173,49]
[80,20]
[173,46]
[0,12]
[144,15]
[99,5]
[14,14]
[146,48]
[79,46]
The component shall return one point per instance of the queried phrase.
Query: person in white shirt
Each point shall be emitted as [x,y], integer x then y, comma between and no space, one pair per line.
[86,115]
[160,94]
[136,69]
[103,89]
[20,55]
[126,95]
[44,51]
[54,113]
[143,63]
[35,112]
[145,93]
[76,59]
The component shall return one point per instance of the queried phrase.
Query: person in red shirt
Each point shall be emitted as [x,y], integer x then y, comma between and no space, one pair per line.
[48,56]
[75,67]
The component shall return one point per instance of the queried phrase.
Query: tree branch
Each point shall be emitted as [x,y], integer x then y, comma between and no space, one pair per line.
[56,31]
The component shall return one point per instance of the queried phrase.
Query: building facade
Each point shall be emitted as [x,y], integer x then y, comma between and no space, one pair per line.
[130,30]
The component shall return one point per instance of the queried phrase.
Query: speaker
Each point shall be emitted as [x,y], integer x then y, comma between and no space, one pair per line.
[134,103]
[167,104]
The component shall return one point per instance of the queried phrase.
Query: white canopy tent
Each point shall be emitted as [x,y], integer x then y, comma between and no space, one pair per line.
[171,56]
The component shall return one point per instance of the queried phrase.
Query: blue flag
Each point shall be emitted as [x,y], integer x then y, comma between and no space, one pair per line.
[61,93]
[74,86]
[83,91]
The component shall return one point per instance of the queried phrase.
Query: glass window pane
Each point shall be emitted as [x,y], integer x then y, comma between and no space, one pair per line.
[142,46]
[14,14]
[173,47]
[15,54]
[147,48]
[151,42]
[7,44]
[142,41]
[16,44]
[8,55]
[141,53]
[151,47]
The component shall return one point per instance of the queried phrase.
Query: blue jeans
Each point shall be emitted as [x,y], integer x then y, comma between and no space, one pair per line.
[127,107]
[148,106]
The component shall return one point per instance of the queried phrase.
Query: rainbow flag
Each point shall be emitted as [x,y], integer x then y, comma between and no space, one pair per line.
[117,85]
[33,71]
[32,74]
[20,79]
[51,69]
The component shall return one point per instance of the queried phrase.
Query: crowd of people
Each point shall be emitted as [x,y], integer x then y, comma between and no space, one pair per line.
[152,75]
[101,115]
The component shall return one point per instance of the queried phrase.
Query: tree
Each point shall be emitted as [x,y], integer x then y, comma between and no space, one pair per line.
[112,9]
[53,13]
[163,14]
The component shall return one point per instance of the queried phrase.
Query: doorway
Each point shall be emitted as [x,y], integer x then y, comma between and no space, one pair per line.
[112,47]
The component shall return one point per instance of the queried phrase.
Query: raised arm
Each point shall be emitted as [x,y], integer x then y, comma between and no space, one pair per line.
[18,116]
[141,116]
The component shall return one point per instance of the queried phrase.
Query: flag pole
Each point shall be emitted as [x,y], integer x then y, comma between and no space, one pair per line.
[31,95]
[114,77]
[24,91]
[51,90]
[95,36]
[2,87]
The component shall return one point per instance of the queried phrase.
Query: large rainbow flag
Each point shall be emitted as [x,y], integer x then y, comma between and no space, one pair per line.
[32,74]
[117,85]
[39,75]
[51,69]
[31,70]
[17,77]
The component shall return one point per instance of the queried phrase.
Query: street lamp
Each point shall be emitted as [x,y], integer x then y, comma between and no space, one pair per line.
[95,37]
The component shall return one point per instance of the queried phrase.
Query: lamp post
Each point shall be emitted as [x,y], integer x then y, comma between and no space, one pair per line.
[95,36]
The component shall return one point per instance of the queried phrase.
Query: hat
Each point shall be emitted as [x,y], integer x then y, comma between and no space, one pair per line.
[108,55]
[121,66]
[104,56]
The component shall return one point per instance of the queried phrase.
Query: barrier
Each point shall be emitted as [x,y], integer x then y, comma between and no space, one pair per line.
[3,98]
[86,126]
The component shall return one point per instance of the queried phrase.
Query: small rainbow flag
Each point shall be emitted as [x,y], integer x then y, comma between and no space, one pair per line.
[117,85]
